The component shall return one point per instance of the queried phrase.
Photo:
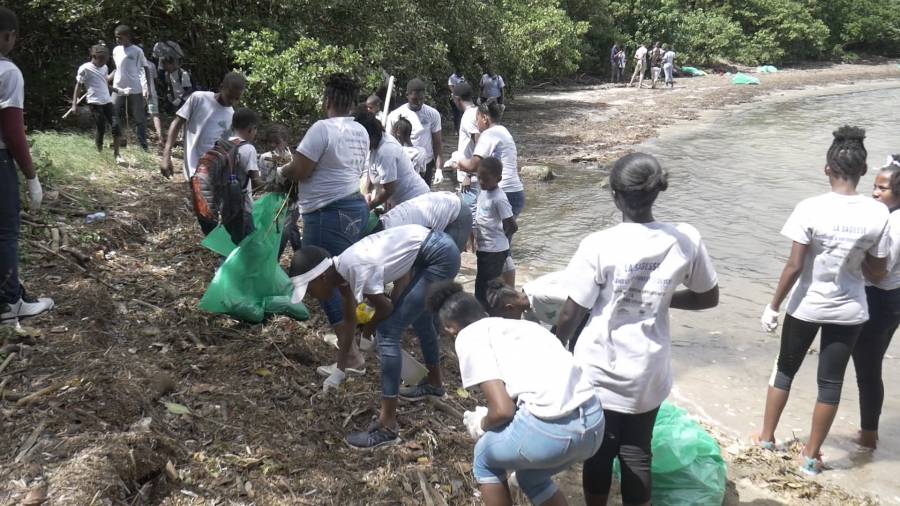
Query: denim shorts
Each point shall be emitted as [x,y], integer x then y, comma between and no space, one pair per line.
[460,228]
[335,228]
[516,201]
[536,449]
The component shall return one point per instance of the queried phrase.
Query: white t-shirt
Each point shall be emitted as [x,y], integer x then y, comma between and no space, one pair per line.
[340,148]
[206,121]
[93,79]
[425,121]
[150,73]
[892,280]
[379,259]
[130,63]
[492,208]
[434,210]
[497,142]
[390,164]
[539,374]
[468,126]
[547,295]
[640,53]
[417,157]
[492,86]
[669,58]
[840,230]
[247,158]
[626,275]
[12,89]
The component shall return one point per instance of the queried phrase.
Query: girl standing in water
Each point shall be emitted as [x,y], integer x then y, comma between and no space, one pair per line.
[836,236]
[542,414]
[883,298]
[624,280]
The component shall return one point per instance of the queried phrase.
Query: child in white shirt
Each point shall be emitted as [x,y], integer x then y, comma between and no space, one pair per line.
[94,77]
[494,224]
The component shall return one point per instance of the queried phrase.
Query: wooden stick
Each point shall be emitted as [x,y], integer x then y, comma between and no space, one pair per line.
[28,399]
[9,358]
[423,484]
[443,406]
[29,443]
[73,262]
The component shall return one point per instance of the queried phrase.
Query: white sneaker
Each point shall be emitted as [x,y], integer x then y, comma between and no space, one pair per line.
[25,307]
[328,370]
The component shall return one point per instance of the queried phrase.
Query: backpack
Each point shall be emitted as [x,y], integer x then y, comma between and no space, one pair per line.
[218,184]
[193,87]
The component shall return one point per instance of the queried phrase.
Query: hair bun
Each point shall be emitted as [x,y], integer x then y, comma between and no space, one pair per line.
[440,293]
[849,133]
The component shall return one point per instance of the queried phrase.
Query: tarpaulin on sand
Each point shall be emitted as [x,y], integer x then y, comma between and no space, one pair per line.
[740,78]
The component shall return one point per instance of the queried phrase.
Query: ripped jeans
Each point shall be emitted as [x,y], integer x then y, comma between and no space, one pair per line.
[335,228]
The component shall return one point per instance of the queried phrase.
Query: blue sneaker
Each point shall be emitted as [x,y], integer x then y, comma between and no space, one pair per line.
[375,436]
[421,392]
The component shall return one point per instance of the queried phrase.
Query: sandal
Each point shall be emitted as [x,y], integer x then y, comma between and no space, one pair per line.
[765,445]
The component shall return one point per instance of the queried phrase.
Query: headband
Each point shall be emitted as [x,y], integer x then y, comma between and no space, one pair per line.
[302,281]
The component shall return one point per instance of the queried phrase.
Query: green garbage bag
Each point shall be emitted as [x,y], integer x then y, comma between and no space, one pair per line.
[766,69]
[740,78]
[687,463]
[250,284]
[693,71]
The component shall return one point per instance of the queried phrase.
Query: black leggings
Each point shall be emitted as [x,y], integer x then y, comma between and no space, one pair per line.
[628,437]
[834,354]
[103,115]
[489,267]
[884,317]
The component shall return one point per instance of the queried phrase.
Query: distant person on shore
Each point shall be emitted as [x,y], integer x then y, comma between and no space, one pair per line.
[640,66]
[495,223]
[417,156]
[94,77]
[883,298]
[413,258]
[455,78]
[15,303]
[496,141]
[441,211]
[621,59]
[624,280]
[836,238]
[669,65]
[656,58]
[179,84]
[327,165]
[374,105]
[129,81]
[542,414]
[390,177]
[614,62]
[426,126]
[492,86]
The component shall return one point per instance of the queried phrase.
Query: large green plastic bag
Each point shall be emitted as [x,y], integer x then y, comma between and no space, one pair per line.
[687,463]
[740,78]
[250,284]
[693,71]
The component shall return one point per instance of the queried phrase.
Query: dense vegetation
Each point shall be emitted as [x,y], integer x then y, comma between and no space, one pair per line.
[286,46]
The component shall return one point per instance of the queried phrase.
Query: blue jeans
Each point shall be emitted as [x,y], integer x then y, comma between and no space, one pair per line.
[438,260]
[335,228]
[460,228]
[536,449]
[517,202]
[10,290]
[470,198]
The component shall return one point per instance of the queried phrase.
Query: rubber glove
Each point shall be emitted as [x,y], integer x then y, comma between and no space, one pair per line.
[35,193]
[334,381]
[769,319]
[438,175]
[122,91]
[473,419]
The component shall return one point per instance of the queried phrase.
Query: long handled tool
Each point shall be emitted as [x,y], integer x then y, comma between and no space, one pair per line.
[66,115]
[387,101]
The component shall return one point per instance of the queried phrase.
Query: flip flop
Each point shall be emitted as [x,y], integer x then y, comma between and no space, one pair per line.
[327,370]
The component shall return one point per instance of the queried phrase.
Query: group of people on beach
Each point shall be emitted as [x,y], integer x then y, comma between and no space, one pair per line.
[660,59]
[582,376]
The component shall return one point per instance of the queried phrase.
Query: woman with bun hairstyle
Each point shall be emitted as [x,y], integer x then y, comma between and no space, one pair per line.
[836,237]
[624,280]
[542,414]
[883,298]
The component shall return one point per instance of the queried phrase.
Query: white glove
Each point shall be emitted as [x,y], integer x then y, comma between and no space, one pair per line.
[438,175]
[334,381]
[122,91]
[769,319]
[35,193]
[473,419]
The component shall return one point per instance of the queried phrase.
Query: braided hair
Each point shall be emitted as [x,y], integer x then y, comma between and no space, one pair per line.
[847,155]
[451,304]
[341,91]
[498,293]
[637,179]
